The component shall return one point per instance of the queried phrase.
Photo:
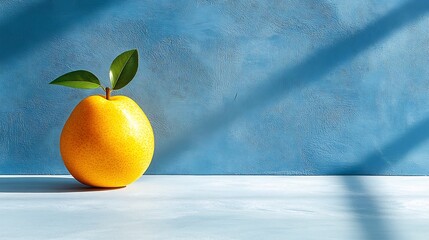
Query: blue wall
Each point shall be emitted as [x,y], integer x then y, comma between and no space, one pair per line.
[231,87]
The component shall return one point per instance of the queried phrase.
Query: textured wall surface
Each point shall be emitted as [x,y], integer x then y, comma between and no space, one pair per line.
[231,87]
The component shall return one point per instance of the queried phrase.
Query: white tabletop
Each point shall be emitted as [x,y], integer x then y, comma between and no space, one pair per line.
[217,207]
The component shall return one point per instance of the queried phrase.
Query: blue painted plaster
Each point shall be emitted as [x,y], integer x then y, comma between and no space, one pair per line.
[231,87]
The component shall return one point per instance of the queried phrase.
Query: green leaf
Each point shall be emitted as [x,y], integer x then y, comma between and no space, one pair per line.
[124,68]
[78,79]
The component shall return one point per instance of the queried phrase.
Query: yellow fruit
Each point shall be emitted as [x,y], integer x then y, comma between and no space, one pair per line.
[107,143]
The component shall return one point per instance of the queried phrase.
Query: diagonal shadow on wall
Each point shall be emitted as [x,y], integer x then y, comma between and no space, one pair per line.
[313,68]
[377,161]
[30,26]
[365,207]
[37,23]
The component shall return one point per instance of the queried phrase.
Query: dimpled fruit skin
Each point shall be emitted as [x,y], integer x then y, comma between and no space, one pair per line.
[107,143]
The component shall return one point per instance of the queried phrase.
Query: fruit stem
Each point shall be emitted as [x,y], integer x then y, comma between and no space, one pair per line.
[107,93]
